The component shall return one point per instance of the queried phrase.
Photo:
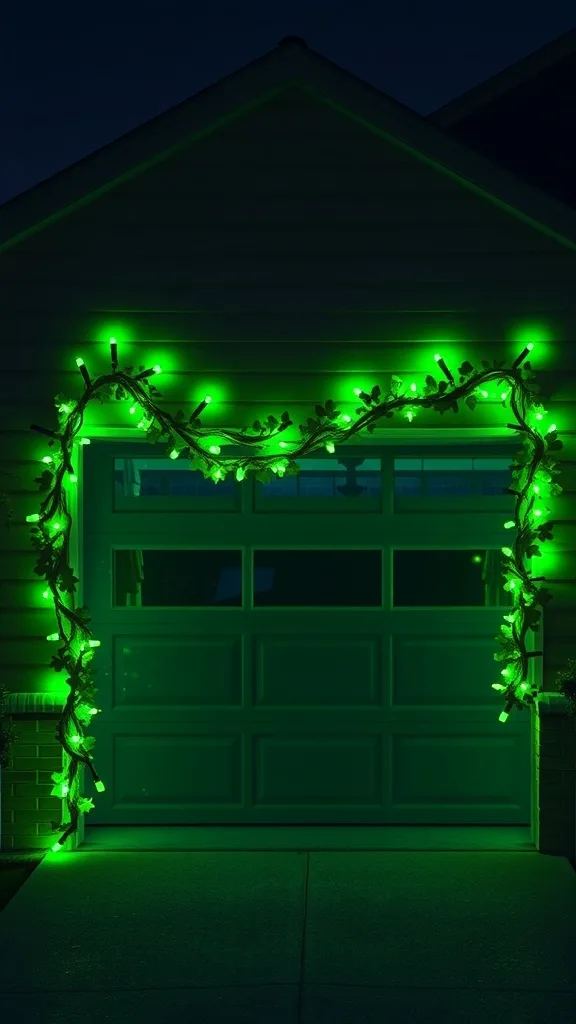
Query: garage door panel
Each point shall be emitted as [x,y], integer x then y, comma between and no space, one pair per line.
[177,671]
[443,670]
[188,772]
[336,771]
[478,775]
[323,671]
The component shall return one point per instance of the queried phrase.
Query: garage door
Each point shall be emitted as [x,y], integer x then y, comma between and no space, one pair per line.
[315,650]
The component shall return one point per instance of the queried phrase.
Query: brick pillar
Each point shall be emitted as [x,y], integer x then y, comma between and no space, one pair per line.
[27,807]
[555,777]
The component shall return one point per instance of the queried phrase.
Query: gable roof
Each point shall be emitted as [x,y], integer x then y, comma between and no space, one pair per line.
[504,81]
[290,65]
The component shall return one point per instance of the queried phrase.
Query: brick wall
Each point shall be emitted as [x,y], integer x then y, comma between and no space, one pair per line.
[28,808]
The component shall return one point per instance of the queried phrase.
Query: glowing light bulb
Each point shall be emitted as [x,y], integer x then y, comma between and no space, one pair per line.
[413,387]
[207,399]
[509,525]
[84,440]
[73,479]
[357,391]
[174,453]
[132,410]
[330,447]
[214,449]
[53,637]
[33,518]
[346,418]
[240,473]
[507,551]
[46,595]
[79,362]
[100,787]
[503,716]
[47,459]
[157,369]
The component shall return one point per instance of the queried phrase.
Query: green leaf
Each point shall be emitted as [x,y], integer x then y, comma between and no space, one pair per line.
[466,369]
[320,411]
[442,386]
[471,401]
[67,580]
[257,426]
[375,393]
[44,481]
[285,417]
[533,551]
[430,382]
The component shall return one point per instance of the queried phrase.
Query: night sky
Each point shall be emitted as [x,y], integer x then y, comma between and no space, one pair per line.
[73,78]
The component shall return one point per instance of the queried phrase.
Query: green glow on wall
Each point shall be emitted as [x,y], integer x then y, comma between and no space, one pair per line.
[119,329]
[184,435]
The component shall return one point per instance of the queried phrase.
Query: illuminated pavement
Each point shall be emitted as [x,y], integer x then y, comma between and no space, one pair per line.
[291,937]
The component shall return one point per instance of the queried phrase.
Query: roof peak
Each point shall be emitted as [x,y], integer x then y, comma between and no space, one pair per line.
[293,39]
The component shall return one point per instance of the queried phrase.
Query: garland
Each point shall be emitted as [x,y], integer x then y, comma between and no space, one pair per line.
[533,470]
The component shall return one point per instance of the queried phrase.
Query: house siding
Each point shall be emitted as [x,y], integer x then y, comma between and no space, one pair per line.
[279,262]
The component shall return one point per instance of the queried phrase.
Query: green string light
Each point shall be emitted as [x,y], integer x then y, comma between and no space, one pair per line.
[532,474]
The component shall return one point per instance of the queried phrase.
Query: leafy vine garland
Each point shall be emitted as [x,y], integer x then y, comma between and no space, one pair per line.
[533,471]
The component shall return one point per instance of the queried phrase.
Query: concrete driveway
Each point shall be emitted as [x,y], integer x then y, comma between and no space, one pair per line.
[292,938]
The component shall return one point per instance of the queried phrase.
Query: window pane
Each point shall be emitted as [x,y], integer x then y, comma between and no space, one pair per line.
[318,578]
[181,578]
[451,477]
[145,478]
[434,579]
[335,478]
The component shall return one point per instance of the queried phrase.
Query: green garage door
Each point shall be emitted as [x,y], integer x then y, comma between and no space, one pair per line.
[315,650]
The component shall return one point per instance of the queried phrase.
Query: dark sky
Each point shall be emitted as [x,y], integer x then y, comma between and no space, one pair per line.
[74,77]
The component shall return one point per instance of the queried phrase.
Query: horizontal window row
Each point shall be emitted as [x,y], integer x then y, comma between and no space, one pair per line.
[307,578]
[358,479]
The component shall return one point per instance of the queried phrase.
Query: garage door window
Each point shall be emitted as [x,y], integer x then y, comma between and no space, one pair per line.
[331,483]
[155,484]
[459,579]
[177,578]
[302,579]
[474,484]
